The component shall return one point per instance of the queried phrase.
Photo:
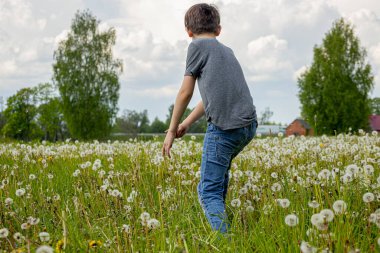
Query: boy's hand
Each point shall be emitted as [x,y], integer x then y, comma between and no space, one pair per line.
[182,130]
[168,142]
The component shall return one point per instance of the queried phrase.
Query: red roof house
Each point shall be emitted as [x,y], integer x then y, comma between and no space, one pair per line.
[299,127]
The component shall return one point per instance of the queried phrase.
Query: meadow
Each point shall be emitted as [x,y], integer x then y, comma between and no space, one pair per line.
[286,194]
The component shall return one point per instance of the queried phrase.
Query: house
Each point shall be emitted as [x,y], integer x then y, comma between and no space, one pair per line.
[299,127]
[269,130]
[374,121]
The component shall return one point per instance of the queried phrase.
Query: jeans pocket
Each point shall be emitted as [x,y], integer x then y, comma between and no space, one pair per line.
[224,152]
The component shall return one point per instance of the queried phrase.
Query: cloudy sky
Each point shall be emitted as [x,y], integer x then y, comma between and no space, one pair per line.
[272,39]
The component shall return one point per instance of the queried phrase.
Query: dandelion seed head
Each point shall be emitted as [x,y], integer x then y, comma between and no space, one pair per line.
[44,249]
[305,247]
[18,237]
[4,232]
[44,236]
[284,203]
[126,228]
[368,197]
[8,201]
[327,214]
[153,224]
[276,187]
[291,220]
[313,204]
[235,203]
[339,206]
[20,192]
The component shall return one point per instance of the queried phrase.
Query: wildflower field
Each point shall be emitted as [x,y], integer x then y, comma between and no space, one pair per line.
[286,194]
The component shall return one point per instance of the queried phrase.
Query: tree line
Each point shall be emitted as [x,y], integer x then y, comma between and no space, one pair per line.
[81,102]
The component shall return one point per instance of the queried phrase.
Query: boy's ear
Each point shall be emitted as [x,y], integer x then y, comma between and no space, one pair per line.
[190,33]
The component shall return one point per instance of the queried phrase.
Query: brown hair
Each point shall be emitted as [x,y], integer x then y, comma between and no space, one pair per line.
[202,18]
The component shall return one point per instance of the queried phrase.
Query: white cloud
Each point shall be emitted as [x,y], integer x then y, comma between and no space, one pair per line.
[168,91]
[15,11]
[298,72]
[28,55]
[267,56]
[7,68]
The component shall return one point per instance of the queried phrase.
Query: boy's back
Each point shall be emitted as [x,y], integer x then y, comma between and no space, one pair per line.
[224,91]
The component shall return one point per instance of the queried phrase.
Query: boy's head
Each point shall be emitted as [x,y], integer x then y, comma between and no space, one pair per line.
[202,18]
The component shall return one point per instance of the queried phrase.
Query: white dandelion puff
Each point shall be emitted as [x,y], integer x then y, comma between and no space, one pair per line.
[126,228]
[313,204]
[8,201]
[153,223]
[25,226]
[235,202]
[243,191]
[20,192]
[276,187]
[324,174]
[368,197]
[307,248]
[339,206]
[327,214]
[44,236]
[18,237]
[4,232]
[316,219]
[44,249]
[291,220]
[144,217]
[284,203]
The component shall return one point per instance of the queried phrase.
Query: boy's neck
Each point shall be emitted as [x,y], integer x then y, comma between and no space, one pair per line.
[204,35]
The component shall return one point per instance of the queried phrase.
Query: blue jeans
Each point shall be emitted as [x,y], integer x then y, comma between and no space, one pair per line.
[219,148]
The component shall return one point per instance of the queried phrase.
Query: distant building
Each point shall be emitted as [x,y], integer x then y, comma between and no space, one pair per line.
[270,130]
[374,121]
[299,127]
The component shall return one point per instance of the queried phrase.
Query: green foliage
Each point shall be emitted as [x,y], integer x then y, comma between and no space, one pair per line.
[50,116]
[132,122]
[2,121]
[375,106]
[334,90]
[158,126]
[198,127]
[86,75]
[21,115]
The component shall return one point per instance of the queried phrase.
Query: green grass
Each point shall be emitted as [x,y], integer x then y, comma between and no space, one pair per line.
[166,189]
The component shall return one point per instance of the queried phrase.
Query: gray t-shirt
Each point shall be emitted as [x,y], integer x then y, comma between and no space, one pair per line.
[224,91]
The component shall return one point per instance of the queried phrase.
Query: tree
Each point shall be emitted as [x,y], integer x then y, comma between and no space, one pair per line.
[132,122]
[265,116]
[199,126]
[2,117]
[20,116]
[375,106]
[86,75]
[334,91]
[158,126]
[50,116]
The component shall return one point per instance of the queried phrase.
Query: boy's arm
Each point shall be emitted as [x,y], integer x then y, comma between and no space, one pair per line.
[196,114]
[183,98]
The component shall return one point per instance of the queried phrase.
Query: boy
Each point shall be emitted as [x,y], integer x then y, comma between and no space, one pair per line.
[226,102]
